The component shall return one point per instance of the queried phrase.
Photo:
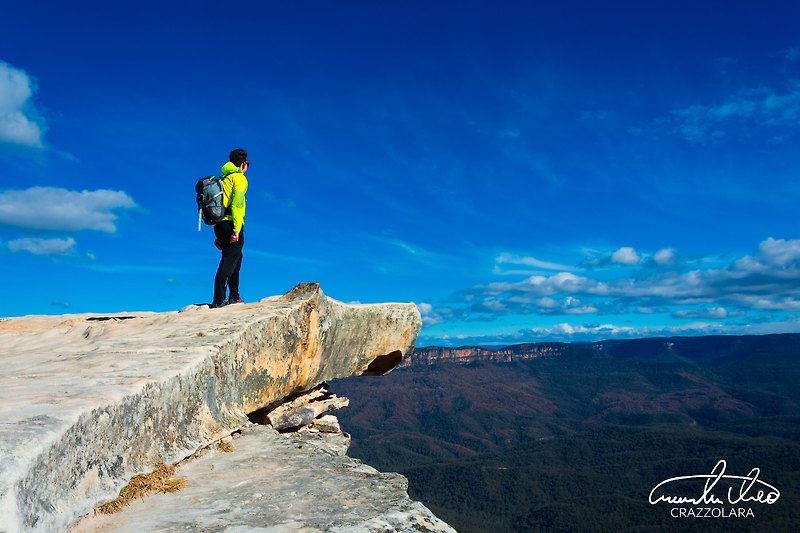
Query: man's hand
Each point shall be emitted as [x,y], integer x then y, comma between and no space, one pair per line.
[235,237]
[217,244]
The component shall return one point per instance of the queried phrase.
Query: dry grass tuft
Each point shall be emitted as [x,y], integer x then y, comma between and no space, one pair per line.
[159,480]
[225,446]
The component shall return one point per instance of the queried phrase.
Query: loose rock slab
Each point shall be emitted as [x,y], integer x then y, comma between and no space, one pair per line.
[277,483]
[303,410]
[87,402]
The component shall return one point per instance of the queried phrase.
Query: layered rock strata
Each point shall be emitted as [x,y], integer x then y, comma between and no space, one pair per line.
[87,402]
[433,355]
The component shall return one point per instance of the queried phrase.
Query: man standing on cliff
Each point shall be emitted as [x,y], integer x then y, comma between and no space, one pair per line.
[229,232]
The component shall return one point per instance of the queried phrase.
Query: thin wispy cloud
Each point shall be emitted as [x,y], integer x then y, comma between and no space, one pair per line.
[286,258]
[768,108]
[416,253]
[739,115]
[56,209]
[20,122]
[511,259]
[36,246]
[709,313]
[134,269]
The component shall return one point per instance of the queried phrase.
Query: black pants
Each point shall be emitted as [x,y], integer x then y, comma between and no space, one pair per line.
[229,265]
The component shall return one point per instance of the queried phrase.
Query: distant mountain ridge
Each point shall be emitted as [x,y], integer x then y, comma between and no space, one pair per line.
[705,349]
[432,355]
[555,436]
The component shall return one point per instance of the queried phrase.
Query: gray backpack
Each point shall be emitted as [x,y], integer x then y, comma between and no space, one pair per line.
[209,201]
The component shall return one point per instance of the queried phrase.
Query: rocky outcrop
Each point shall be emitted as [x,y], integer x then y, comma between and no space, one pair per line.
[87,402]
[277,482]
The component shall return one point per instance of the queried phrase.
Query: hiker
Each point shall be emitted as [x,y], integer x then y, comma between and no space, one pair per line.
[229,232]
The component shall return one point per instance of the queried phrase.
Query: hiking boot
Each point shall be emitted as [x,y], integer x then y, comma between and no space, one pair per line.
[236,301]
[217,306]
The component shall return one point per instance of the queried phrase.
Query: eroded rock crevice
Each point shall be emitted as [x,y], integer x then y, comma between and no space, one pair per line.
[302,412]
[383,364]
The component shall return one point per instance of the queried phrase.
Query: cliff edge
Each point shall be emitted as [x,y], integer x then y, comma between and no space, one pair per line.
[87,402]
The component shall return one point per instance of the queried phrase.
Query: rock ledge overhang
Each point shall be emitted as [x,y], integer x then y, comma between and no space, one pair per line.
[87,402]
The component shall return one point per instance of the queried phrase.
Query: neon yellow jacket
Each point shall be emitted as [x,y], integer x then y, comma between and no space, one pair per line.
[234,187]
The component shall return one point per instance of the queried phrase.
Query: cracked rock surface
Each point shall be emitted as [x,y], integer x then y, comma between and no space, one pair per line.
[89,401]
[277,483]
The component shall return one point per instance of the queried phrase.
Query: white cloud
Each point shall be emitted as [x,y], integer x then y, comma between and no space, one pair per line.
[567,306]
[605,330]
[19,120]
[424,308]
[716,313]
[431,316]
[547,303]
[625,256]
[51,208]
[43,246]
[567,332]
[665,256]
[768,280]
[563,282]
[506,258]
[773,253]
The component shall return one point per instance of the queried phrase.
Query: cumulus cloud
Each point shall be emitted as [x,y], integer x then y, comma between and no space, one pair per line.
[19,121]
[424,308]
[773,275]
[38,246]
[665,256]
[625,256]
[431,316]
[767,280]
[51,208]
[772,253]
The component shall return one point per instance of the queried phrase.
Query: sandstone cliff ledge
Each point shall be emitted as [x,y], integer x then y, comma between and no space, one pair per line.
[87,402]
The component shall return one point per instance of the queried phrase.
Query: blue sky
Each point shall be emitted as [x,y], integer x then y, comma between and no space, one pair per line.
[523,171]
